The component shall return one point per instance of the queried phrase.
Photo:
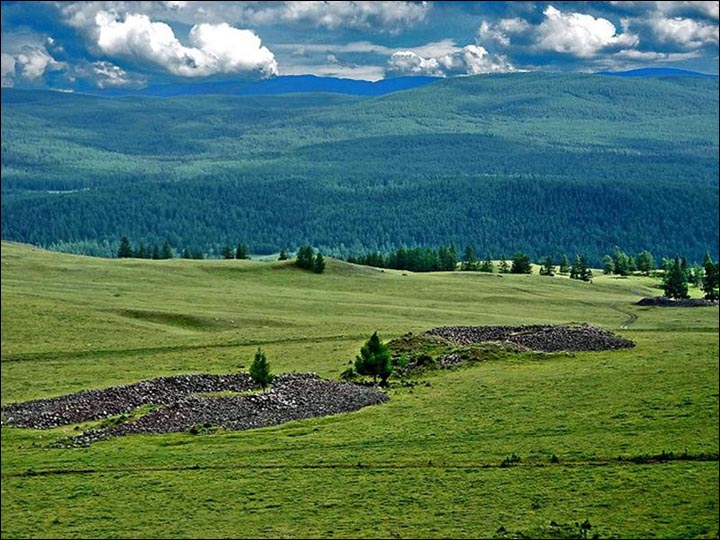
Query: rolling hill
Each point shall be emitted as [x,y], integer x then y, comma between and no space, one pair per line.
[513,442]
[543,163]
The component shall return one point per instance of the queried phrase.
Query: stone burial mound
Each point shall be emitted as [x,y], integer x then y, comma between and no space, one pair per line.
[664,301]
[293,396]
[546,338]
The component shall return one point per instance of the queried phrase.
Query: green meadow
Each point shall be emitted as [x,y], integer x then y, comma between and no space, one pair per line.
[626,441]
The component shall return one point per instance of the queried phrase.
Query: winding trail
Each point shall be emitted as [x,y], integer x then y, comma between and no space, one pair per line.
[632,317]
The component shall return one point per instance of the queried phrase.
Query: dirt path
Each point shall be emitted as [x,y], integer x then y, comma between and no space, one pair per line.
[632,317]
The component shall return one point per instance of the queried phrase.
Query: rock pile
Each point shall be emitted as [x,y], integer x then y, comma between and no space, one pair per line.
[664,301]
[292,397]
[548,338]
[97,404]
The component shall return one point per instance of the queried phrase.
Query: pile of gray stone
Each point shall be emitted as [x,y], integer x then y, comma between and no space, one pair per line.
[292,396]
[97,404]
[664,301]
[548,338]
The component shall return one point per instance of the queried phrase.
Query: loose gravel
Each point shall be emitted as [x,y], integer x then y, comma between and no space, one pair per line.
[548,338]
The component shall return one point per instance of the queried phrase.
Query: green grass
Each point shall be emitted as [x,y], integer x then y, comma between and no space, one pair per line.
[425,464]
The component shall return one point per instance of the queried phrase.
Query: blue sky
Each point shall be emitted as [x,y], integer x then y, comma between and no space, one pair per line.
[76,45]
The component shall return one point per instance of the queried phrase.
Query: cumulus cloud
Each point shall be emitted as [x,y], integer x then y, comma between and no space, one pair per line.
[216,48]
[386,16]
[579,34]
[31,62]
[108,75]
[470,60]
[7,69]
[686,33]
[710,9]
[502,31]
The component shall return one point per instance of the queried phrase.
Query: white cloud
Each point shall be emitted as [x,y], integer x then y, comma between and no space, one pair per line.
[360,72]
[470,60]
[501,31]
[653,56]
[216,48]
[33,62]
[106,74]
[579,34]
[686,33]
[7,69]
[384,16]
[709,9]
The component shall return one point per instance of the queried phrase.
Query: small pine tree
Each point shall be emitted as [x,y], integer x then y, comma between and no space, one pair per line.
[564,264]
[125,250]
[710,281]
[487,264]
[141,252]
[374,359]
[504,267]
[305,257]
[166,251]
[283,255]
[645,262]
[608,265]
[156,252]
[319,263]
[186,254]
[547,268]
[469,260]
[227,252]
[242,251]
[521,264]
[260,369]
[676,283]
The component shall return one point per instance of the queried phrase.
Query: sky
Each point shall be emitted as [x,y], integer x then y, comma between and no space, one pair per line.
[80,45]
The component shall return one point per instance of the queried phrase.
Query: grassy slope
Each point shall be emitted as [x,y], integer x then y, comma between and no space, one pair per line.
[423,465]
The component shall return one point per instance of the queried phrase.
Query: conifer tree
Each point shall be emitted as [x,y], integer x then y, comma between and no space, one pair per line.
[547,268]
[125,250]
[374,359]
[166,251]
[283,255]
[319,263]
[564,264]
[260,369]
[487,264]
[469,260]
[710,280]
[675,283]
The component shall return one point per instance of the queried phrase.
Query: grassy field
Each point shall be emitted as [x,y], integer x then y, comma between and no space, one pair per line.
[426,464]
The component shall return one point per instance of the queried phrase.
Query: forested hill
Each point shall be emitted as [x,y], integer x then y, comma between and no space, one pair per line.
[543,163]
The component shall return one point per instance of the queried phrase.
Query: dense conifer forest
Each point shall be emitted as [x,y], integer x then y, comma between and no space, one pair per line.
[540,163]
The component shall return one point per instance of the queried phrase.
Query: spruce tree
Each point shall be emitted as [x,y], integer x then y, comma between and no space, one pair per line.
[645,262]
[487,264]
[710,281]
[374,359]
[260,369]
[547,268]
[564,264]
[319,263]
[504,268]
[676,284]
[242,251]
[227,252]
[608,265]
[469,260]
[166,251]
[283,255]
[305,257]
[155,252]
[521,264]
[125,250]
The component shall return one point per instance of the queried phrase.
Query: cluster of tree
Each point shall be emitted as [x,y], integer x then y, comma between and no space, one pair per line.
[144,252]
[240,252]
[677,275]
[622,264]
[413,259]
[307,259]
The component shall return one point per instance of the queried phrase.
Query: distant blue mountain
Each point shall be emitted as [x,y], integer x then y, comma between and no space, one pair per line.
[277,85]
[657,72]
